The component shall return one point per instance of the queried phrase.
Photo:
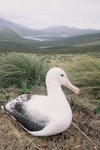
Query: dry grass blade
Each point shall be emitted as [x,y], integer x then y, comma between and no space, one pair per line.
[95,146]
[38,148]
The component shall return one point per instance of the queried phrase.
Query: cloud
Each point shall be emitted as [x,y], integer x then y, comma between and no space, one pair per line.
[43,13]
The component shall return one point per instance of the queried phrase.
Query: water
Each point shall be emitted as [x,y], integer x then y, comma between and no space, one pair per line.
[34,38]
[44,37]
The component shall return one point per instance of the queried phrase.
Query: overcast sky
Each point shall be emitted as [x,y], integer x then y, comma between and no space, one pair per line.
[44,13]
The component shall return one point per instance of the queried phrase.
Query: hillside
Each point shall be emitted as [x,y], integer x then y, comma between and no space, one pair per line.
[60,39]
[8,34]
[16,28]
[79,44]
[81,39]
[52,31]
[83,71]
[67,31]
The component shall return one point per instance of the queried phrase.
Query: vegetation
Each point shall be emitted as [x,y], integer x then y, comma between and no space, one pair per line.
[33,47]
[86,72]
[24,73]
[10,41]
[16,69]
[8,34]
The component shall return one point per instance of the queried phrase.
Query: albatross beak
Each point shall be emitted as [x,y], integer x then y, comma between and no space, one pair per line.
[72,87]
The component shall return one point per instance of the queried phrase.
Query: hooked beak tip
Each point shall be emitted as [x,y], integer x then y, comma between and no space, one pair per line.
[77,91]
[72,87]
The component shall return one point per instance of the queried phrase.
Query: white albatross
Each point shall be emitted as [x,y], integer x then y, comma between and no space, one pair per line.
[44,115]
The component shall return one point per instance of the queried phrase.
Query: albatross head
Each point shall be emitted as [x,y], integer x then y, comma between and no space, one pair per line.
[57,75]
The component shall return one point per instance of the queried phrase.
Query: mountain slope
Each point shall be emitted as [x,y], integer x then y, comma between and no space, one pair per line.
[60,39]
[9,34]
[70,31]
[52,31]
[80,39]
[17,28]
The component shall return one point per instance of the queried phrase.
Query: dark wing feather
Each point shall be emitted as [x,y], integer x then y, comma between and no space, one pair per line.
[19,114]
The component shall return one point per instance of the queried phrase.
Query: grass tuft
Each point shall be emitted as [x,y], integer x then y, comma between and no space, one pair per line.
[18,69]
[86,71]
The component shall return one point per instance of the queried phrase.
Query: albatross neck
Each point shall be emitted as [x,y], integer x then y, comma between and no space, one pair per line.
[54,89]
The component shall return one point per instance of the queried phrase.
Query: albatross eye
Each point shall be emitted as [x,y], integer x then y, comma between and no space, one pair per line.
[62,75]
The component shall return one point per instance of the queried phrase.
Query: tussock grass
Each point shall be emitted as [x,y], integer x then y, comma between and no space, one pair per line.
[86,71]
[83,71]
[18,69]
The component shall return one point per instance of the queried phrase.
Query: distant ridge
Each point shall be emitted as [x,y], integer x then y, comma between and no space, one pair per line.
[58,39]
[70,31]
[17,28]
[53,31]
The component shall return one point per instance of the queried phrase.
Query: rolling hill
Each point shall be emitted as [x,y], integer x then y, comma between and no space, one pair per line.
[21,30]
[80,39]
[52,31]
[8,34]
[59,39]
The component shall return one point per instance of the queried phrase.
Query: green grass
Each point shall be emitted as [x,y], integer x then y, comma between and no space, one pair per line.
[86,70]
[27,72]
[83,71]
[18,69]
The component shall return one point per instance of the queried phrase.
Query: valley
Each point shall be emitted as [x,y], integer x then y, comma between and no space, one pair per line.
[25,57]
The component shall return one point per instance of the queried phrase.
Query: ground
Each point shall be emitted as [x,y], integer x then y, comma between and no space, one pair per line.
[84,132]
[12,135]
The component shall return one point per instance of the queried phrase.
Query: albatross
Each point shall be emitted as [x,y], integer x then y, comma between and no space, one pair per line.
[42,115]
